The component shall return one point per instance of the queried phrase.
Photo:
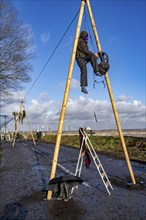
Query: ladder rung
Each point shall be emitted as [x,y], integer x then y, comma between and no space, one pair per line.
[78,170]
[103,174]
[107,183]
[99,165]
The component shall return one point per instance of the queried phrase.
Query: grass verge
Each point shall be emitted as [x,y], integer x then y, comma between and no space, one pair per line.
[136,146]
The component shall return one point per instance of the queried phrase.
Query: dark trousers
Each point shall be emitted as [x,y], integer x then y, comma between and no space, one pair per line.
[83,68]
[65,189]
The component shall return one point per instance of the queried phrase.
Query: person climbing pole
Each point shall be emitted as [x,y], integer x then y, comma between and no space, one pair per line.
[23,116]
[83,56]
[82,141]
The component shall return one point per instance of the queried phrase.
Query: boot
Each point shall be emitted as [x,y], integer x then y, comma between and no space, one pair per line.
[98,74]
[83,89]
[67,198]
[67,192]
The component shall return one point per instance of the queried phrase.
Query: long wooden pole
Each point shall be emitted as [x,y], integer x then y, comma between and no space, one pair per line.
[111,97]
[5,124]
[30,130]
[15,133]
[66,93]
[16,126]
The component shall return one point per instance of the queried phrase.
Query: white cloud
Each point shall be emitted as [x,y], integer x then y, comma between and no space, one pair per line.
[80,112]
[45,37]
[113,39]
[75,83]
[132,113]
[121,98]
[12,102]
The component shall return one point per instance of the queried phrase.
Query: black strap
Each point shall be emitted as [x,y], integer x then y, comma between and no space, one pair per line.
[103,57]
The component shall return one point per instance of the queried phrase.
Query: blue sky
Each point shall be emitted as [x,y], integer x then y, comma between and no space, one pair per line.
[121,29]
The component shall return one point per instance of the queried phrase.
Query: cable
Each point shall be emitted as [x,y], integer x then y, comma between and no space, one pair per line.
[98,82]
[50,56]
[91,40]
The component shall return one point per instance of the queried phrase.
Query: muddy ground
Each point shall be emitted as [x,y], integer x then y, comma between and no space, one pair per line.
[24,176]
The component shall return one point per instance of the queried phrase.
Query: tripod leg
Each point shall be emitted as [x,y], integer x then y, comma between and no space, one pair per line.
[30,130]
[15,133]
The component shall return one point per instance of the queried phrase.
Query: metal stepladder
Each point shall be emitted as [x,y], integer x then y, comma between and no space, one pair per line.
[103,175]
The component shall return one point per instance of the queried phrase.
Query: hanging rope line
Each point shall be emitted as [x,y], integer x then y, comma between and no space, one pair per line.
[51,55]
[87,24]
[98,82]
[85,20]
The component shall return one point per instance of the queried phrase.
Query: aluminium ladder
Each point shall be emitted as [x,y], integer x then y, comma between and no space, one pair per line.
[96,160]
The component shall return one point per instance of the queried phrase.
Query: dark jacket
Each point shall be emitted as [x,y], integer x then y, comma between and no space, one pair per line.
[82,48]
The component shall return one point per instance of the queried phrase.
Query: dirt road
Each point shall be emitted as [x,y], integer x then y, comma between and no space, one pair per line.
[24,176]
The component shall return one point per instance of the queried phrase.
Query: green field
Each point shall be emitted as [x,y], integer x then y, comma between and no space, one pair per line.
[136,146]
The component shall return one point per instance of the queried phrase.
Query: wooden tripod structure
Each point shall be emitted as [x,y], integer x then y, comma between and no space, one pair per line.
[16,125]
[66,94]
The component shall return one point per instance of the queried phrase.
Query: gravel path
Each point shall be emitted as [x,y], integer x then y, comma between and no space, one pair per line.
[24,176]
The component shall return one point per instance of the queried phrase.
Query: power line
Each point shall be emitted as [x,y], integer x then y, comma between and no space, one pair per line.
[50,56]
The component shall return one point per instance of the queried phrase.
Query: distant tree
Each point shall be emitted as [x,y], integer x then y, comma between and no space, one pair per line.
[15,50]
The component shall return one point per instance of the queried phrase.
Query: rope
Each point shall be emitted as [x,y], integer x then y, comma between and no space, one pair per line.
[98,82]
[51,55]
[91,40]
